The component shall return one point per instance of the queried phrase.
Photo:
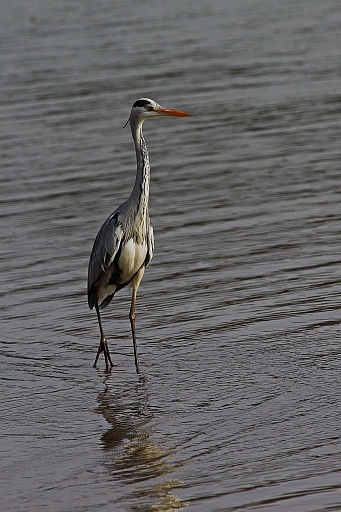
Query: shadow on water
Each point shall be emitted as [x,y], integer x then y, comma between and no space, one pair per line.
[131,452]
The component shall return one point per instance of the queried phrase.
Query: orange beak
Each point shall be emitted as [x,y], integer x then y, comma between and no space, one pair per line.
[172,112]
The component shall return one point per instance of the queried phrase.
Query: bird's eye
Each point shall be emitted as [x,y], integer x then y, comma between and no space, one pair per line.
[149,107]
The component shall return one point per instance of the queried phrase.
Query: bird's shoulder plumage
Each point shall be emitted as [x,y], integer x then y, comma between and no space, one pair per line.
[106,246]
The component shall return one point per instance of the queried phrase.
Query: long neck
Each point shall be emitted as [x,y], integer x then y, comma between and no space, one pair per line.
[140,191]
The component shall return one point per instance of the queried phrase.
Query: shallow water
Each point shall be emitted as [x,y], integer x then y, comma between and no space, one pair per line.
[237,405]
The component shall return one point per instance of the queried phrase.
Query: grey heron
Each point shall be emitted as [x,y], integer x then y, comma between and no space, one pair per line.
[124,244]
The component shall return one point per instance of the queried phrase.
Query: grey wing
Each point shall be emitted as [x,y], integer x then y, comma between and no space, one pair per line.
[106,246]
[150,245]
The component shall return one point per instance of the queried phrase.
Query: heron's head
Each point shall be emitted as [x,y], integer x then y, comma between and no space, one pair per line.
[144,108]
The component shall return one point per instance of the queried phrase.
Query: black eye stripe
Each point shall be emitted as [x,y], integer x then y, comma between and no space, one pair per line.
[143,103]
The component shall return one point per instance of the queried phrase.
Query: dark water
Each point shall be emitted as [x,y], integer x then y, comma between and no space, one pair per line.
[237,406]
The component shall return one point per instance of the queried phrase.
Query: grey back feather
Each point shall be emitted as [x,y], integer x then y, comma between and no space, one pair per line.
[119,227]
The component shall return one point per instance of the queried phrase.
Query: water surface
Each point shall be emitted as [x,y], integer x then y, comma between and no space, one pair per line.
[237,404]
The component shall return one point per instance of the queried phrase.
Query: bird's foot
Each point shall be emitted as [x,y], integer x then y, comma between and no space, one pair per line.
[103,347]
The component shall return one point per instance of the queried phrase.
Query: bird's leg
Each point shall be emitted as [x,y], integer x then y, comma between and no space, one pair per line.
[132,323]
[103,345]
[135,284]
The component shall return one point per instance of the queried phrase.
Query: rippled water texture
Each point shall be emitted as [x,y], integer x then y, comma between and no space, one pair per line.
[238,316]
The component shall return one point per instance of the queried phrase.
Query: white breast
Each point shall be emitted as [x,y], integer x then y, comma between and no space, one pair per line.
[131,259]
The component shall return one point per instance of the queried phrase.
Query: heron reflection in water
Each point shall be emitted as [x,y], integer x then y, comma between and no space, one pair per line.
[131,452]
